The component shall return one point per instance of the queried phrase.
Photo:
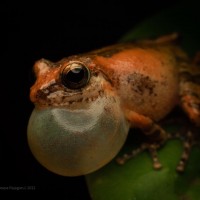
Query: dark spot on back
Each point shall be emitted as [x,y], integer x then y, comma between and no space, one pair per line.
[141,83]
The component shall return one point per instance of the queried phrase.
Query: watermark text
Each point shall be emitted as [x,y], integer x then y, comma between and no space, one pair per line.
[12,187]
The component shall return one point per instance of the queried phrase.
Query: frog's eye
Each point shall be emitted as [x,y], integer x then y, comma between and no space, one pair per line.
[75,75]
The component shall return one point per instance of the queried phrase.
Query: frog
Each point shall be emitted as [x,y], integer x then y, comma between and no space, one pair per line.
[86,104]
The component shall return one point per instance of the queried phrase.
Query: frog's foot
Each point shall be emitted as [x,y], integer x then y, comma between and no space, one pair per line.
[152,148]
[127,156]
[155,134]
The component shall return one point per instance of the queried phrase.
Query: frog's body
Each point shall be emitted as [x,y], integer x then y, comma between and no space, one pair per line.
[140,75]
[143,80]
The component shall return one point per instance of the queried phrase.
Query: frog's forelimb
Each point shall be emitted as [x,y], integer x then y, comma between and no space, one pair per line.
[156,135]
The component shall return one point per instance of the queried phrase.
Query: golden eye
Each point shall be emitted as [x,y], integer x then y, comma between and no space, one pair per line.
[75,75]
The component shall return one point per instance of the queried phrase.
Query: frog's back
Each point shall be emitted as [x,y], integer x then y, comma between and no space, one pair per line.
[145,76]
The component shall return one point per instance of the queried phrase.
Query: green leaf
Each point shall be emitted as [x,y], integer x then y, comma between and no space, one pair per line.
[136,179]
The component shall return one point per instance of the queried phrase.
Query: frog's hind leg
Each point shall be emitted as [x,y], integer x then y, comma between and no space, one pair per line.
[145,146]
[190,92]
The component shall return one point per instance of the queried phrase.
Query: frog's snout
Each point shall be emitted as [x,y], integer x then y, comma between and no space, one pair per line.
[77,142]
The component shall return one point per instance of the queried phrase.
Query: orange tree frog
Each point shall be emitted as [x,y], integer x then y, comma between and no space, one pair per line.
[85,104]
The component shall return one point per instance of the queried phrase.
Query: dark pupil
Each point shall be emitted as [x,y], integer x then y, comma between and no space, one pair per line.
[75,75]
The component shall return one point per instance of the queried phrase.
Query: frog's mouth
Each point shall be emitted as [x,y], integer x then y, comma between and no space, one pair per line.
[77,142]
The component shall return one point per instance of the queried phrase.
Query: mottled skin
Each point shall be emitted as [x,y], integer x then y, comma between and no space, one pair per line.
[149,77]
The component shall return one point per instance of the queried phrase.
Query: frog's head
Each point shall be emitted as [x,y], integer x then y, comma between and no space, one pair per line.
[77,125]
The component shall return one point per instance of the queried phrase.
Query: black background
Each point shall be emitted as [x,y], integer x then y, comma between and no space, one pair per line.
[52,31]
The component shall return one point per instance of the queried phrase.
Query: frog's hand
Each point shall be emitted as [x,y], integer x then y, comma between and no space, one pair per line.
[190,91]
[156,137]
